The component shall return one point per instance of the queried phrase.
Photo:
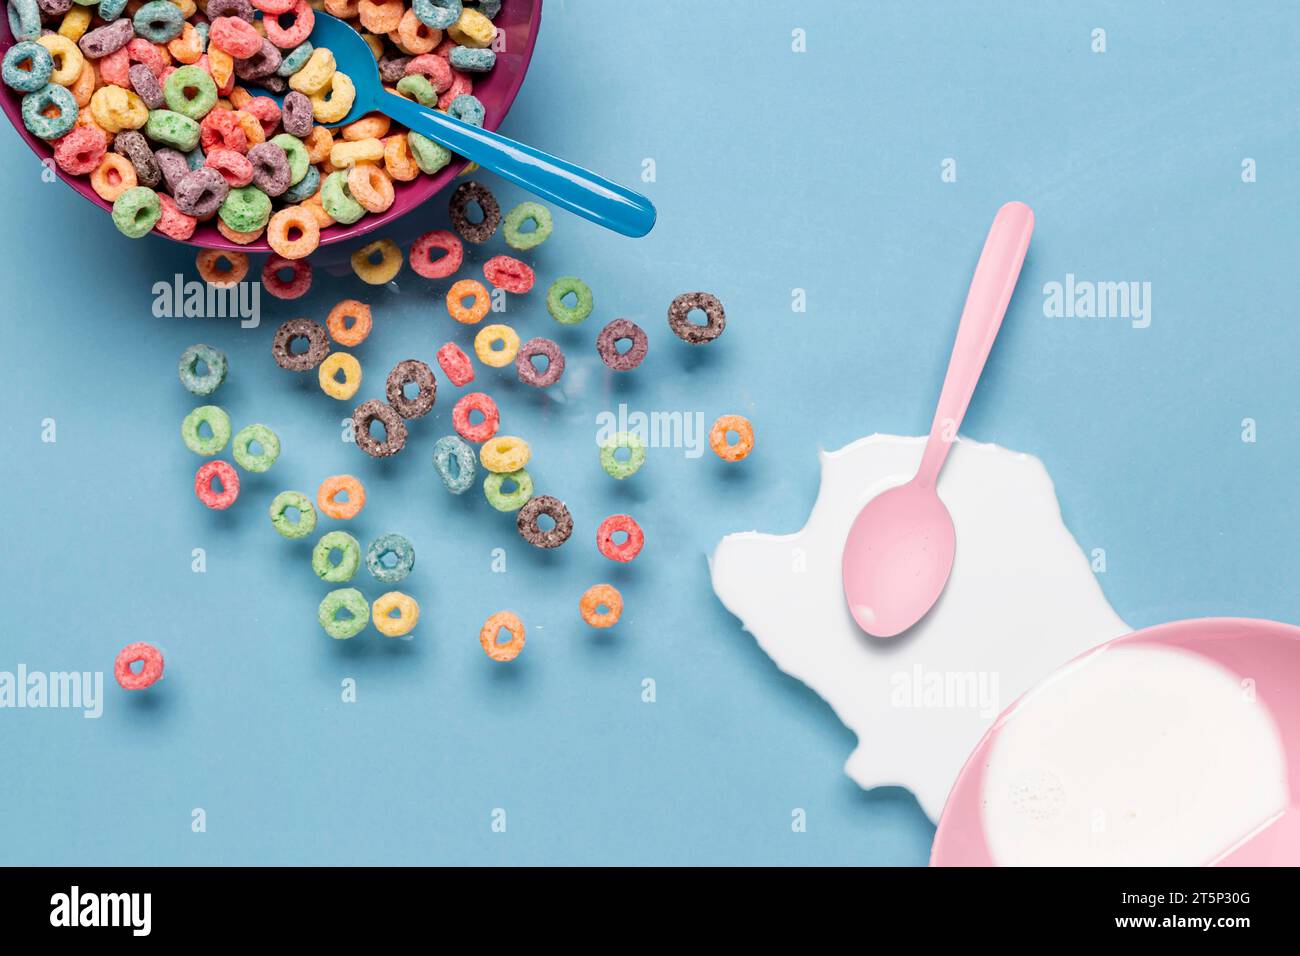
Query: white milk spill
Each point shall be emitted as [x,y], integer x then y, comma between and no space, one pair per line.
[1133,756]
[1022,601]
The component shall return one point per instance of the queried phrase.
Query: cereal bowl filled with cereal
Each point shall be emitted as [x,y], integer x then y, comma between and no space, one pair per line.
[213,122]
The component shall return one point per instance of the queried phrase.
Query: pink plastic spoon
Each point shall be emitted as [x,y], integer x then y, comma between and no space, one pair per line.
[900,549]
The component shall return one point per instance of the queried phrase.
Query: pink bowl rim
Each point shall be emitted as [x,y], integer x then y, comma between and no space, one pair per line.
[409,199]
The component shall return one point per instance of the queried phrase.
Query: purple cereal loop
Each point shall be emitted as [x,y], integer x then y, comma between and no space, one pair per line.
[274,83]
[271,172]
[528,372]
[391,68]
[611,335]
[131,144]
[230,8]
[109,38]
[295,114]
[261,64]
[54,8]
[172,165]
[146,86]
[201,192]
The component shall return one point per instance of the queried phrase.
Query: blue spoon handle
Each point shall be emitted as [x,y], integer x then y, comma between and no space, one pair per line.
[576,189]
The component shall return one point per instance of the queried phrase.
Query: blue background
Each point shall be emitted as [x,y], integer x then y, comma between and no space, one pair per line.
[776,170]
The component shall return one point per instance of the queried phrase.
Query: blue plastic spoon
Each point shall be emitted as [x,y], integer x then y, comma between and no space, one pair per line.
[571,187]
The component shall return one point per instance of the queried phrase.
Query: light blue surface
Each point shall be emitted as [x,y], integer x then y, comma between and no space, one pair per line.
[775,171]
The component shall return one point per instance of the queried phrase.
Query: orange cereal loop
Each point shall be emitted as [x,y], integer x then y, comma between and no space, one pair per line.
[312,205]
[492,629]
[83,86]
[370,186]
[327,497]
[380,16]
[596,597]
[341,331]
[113,176]
[744,437]
[293,233]
[239,238]
[343,9]
[368,127]
[239,97]
[463,290]
[399,162]
[319,142]
[414,37]
[221,269]
[251,126]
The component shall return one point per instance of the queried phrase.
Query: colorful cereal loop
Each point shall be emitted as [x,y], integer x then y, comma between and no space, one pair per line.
[479,402]
[621,551]
[504,454]
[449,449]
[336,364]
[241,448]
[507,501]
[453,254]
[621,468]
[221,269]
[596,597]
[455,364]
[465,289]
[489,634]
[727,450]
[395,614]
[344,599]
[218,423]
[485,345]
[327,497]
[349,322]
[561,289]
[147,656]
[211,472]
[381,270]
[287,526]
[322,555]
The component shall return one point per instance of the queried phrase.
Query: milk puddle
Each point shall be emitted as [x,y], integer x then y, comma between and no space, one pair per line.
[1022,602]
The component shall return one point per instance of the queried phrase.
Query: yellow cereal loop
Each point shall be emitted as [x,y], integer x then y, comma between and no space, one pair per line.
[221,65]
[333,106]
[187,7]
[75,23]
[328,373]
[376,44]
[472,29]
[117,109]
[395,614]
[383,270]
[68,61]
[251,126]
[488,336]
[315,74]
[503,454]
[343,155]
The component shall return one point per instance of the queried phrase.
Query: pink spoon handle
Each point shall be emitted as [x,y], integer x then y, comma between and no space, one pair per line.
[986,304]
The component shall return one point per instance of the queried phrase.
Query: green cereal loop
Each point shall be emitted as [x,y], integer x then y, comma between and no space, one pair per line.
[214,359]
[172,129]
[269,441]
[246,209]
[622,469]
[429,156]
[136,211]
[514,500]
[306,522]
[217,420]
[351,600]
[176,92]
[349,561]
[562,313]
[418,86]
[297,153]
[532,212]
[337,199]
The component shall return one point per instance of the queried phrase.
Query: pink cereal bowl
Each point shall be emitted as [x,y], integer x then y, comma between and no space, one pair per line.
[519,20]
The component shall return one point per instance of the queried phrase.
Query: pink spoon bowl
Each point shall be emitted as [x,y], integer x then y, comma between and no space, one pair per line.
[518,20]
[1266,652]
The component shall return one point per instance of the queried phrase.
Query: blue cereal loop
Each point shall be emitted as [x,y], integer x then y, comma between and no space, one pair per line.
[305,188]
[294,60]
[489,8]
[437,14]
[444,450]
[35,105]
[467,109]
[472,60]
[400,548]
[37,74]
[24,19]
[110,10]
[158,21]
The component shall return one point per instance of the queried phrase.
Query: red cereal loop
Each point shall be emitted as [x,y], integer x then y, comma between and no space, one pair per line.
[286,38]
[235,36]
[173,223]
[80,151]
[203,478]
[293,287]
[221,127]
[234,167]
[141,50]
[435,68]
[455,364]
[114,67]
[266,110]
[273,7]
[506,272]
[476,401]
[460,84]
[443,266]
[611,549]
[138,653]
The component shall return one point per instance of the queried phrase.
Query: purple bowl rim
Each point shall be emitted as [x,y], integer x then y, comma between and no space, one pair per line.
[11,103]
